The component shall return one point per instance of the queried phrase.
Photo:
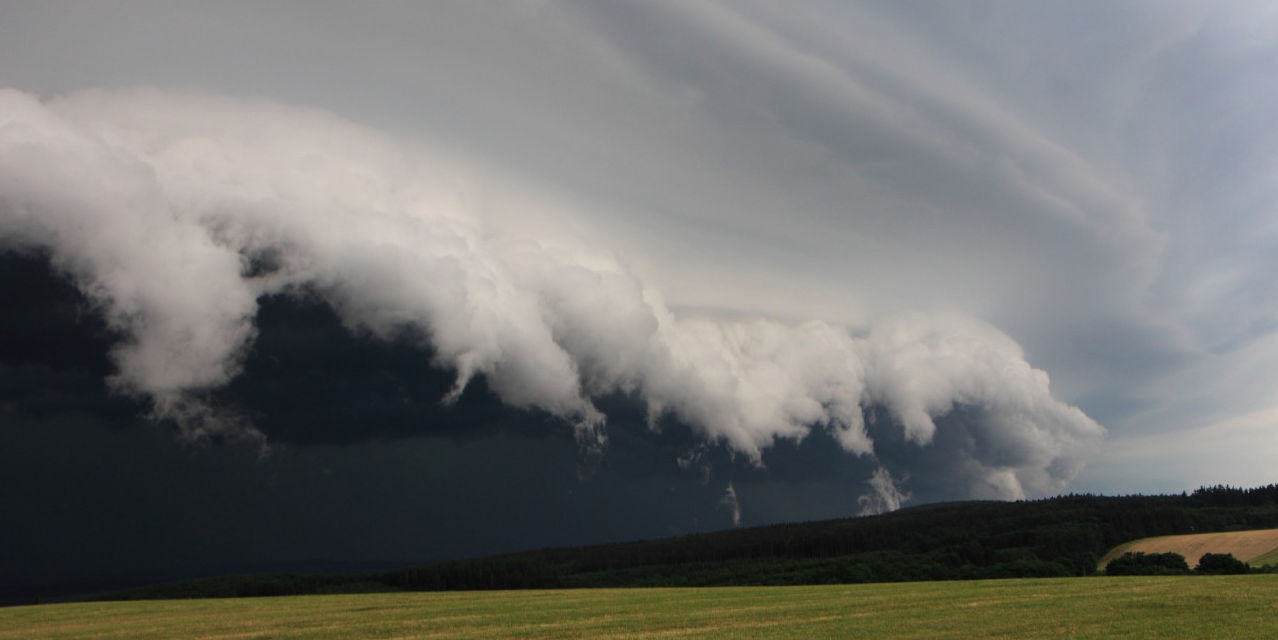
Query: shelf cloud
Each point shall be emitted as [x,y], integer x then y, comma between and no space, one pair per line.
[175,213]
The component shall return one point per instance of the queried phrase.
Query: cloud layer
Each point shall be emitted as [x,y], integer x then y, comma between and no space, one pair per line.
[176,212]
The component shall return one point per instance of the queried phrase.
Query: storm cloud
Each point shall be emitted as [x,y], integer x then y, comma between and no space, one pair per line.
[176,213]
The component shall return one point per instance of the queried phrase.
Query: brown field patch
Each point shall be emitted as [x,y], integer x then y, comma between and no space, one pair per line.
[1245,545]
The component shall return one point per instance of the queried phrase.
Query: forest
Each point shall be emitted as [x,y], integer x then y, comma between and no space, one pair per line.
[1060,536]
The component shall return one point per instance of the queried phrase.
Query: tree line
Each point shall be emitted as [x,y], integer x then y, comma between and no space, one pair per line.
[1136,563]
[1061,536]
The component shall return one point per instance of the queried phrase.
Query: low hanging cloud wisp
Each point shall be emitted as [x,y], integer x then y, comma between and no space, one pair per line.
[175,213]
[732,503]
[884,495]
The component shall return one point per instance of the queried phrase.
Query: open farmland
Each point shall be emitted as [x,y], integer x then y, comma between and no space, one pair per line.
[1220,607]
[1256,547]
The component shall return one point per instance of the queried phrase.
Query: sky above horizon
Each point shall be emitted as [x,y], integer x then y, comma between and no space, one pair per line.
[486,276]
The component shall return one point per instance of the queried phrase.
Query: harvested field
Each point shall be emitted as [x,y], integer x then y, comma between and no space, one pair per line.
[1256,547]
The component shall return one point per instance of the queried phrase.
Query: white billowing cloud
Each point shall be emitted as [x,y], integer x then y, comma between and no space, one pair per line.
[165,208]
[922,367]
[160,278]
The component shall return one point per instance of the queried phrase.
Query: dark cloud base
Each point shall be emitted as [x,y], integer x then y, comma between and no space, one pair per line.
[366,468]
[53,347]
[310,380]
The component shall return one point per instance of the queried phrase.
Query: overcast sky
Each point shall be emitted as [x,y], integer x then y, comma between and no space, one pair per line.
[779,261]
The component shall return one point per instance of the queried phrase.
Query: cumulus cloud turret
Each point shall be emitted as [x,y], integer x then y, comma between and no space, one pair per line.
[175,213]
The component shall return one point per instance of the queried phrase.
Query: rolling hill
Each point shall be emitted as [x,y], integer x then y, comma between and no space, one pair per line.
[1062,536]
[1259,547]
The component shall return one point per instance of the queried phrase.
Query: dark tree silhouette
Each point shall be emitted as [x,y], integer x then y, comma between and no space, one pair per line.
[1147,564]
[1221,564]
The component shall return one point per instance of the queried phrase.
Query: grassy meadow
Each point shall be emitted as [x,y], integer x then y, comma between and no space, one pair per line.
[1217,607]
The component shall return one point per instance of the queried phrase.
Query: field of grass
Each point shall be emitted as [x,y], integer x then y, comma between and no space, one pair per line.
[1218,607]
[1266,559]
[1256,547]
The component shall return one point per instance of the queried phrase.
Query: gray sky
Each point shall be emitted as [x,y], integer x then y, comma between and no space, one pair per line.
[977,193]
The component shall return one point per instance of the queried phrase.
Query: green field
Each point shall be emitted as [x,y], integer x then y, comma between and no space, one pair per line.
[1267,559]
[1217,607]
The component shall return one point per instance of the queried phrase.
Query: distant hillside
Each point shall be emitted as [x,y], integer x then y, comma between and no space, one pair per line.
[1064,536]
[1258,547]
